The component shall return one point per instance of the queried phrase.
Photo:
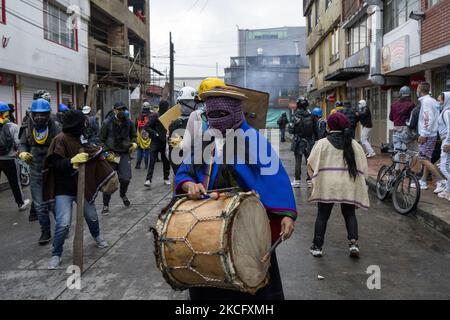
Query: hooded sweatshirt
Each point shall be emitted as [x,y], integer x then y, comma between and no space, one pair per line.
[444,120]
[428,117]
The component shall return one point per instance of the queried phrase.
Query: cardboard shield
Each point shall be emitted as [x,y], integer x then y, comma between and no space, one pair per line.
[255,107]
[170,116]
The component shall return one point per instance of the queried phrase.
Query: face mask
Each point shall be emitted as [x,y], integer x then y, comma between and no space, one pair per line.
[121,115]
[187,107]
[40,122]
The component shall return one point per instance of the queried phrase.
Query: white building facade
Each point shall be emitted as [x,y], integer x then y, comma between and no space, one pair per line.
[44,45]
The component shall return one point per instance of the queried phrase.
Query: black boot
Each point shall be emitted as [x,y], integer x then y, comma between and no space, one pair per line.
[46,237]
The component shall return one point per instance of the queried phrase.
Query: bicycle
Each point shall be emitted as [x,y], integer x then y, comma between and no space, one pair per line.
[401,183]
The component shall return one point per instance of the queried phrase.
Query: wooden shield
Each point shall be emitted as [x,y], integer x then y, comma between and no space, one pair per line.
[170,116]
[255,107]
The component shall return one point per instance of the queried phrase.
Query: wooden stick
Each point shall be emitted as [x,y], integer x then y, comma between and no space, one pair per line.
[208,192]
[78,239]
[266,257]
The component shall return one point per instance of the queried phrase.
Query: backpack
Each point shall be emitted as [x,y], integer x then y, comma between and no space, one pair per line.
[304,125]
[413,122]
[6,140]
[322,128]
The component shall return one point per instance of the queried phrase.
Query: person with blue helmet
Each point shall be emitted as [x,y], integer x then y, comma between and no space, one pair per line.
[39,131]
[321,123]
[9,140]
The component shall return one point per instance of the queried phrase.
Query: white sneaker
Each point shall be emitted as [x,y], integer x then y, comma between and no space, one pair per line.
[148,184]
[54,263]
[296,184]
[440,186]
[167,182]
[371,155]
[25,205]
[444,195]
[101,243]
[423,185]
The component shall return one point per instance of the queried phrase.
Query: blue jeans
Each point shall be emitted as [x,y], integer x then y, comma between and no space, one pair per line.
[63,210]
[141,153]
[36,195]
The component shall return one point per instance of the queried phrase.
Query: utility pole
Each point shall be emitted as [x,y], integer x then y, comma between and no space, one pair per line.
[172,73]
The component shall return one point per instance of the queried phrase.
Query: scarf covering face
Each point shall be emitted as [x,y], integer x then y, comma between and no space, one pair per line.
[235,115]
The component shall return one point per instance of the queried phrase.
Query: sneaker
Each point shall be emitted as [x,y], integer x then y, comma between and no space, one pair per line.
[316,251]
[167,182]
[423,185]
[25,205]
[371,155]
[126,202]
[309,182]
[54,263]
[101,243]
[440,186]
[46,237]
[444,195]
[105,210]
[148,184]
[296,184]
[353,248]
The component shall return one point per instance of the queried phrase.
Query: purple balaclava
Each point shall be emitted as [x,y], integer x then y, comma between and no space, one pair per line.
[232,120]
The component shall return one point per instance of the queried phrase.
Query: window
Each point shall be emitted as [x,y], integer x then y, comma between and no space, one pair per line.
[320,48]
[66,93]
[264,35]
[334,45]
[328,4]
[397,12]
[313,64]
[316,12]
[309,23]
[56,28]
[2,11]
[358,37]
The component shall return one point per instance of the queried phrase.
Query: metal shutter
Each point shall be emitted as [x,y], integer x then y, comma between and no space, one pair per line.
[30,85]
[7,94]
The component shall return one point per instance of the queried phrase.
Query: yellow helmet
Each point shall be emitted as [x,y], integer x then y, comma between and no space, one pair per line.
[209,84]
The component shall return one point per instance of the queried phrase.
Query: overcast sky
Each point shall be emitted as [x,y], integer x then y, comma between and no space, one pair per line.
[204,31]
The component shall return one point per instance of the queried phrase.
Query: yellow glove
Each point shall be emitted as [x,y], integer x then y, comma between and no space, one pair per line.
[175,141]
[78,159]
[111,157]
[26,157]
[133,147]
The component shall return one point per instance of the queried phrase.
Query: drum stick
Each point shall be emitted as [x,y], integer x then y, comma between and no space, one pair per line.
[216,191]
[266,257]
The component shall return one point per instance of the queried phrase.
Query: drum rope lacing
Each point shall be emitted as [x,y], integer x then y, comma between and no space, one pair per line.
[230,274]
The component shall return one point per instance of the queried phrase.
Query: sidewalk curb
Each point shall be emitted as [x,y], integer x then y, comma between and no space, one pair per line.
[423,213]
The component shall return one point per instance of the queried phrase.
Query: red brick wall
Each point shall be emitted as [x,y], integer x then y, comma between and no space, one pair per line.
[436,26]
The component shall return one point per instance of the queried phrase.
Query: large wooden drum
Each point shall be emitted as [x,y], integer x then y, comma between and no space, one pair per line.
[214,243]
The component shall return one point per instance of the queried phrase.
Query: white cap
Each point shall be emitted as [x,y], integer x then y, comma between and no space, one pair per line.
[87,110]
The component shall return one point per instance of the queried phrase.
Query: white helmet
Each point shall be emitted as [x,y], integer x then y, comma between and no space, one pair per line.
[86,110]
[362,103]
[187,93]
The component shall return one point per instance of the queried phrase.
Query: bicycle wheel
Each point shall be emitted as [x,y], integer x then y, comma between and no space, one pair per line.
[25,180]
[383,182]
[404,196]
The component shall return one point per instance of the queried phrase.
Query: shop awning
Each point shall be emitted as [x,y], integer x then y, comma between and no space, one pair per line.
[345,74]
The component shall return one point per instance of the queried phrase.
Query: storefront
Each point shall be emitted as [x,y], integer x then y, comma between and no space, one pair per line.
[7,88]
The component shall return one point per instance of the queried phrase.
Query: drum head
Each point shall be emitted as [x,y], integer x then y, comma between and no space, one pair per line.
[251,239]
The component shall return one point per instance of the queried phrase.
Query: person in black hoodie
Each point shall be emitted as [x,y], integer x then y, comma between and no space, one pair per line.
[304,128]
[352,116]
[118,137]
[158,134]
[365,117]
[282,123]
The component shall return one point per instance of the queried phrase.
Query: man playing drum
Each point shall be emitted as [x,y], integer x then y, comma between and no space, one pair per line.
[224,114]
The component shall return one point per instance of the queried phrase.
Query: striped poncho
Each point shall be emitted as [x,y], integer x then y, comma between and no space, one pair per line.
[331,180]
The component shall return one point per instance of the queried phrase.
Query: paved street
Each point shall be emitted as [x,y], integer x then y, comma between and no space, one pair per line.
[414,260]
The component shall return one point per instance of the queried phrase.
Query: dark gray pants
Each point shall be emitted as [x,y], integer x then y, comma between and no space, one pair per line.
[123,169]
